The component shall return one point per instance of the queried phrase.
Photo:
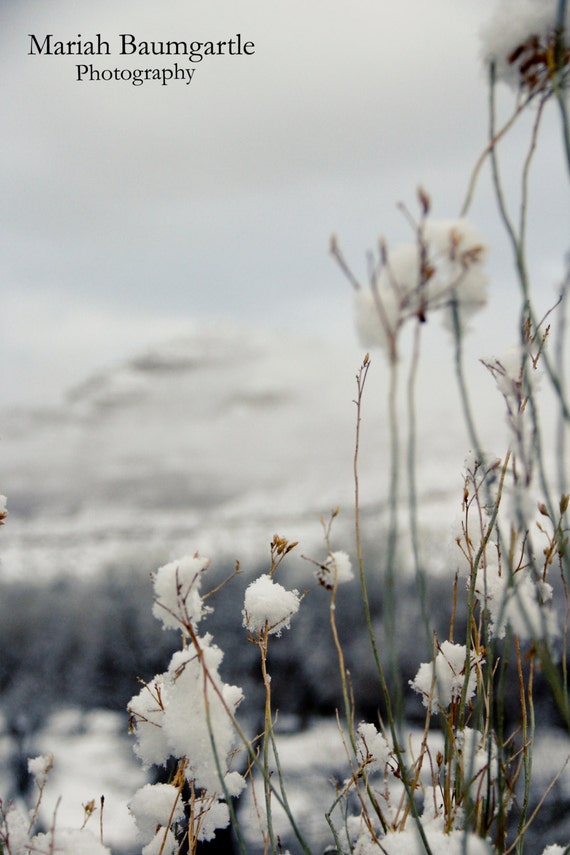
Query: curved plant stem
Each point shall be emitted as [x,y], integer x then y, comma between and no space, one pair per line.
[520,108]
[517,241]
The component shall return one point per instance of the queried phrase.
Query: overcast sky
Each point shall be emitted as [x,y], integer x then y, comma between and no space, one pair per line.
[130,212]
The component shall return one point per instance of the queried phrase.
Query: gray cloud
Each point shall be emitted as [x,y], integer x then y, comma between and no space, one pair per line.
[218,198]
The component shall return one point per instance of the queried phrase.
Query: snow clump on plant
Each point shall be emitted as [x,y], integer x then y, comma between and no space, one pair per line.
[341,565]
[174,714]
[518,378]
[372,750]
[443,271]
[440,683]
[177,602]
[520,39]
[336,570]
[182,713]
[269,606]
[39,768]
[152,806]
[163,843]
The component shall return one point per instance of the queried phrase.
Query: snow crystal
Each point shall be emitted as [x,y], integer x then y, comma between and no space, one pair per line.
[154,805]
[449,676]
[177,592]
[268,605]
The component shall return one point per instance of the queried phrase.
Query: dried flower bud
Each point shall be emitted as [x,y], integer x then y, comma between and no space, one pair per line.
[424,200]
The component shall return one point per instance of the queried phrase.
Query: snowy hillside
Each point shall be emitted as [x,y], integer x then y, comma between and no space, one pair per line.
[213,442]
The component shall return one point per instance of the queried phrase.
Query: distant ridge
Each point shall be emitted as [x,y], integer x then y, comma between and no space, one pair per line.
[213,441]
[187,441]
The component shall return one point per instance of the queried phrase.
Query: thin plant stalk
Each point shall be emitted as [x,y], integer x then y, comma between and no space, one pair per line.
[252,755]
[471,598]
[527,739]
[208,680]
[390,608]
[270,746]
[462,385]
[412,487]
[361,380]
[267,738]
[560,348]
[285,800]
[516,241]
[348,704]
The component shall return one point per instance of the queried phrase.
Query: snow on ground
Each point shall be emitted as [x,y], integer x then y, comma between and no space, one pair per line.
[312,760]
[215,442]
[92,758]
